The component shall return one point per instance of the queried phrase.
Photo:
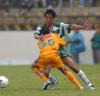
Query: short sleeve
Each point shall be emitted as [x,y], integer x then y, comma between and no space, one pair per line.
[37,30]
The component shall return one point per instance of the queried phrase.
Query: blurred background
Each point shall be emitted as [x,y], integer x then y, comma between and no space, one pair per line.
[20,18]
[27,14]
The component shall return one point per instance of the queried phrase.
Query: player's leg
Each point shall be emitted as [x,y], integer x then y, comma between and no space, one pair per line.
[52,79]
[39,73]
[36,70]
[47,70]
[70,63]
[71,77]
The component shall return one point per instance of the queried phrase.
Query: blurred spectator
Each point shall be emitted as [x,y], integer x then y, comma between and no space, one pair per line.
[49,3]
[27,4]
[54,3]
[71,2]
[82,3]
[14,3]
[92,3]
[39,3]
[2,2]
[76,2]
[44,4]
[76,45]
[96,46]
[60,3]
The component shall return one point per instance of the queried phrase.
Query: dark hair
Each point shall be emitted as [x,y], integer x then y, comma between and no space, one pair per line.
[51,12]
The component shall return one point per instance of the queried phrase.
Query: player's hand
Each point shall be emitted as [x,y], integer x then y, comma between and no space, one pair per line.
[87,25]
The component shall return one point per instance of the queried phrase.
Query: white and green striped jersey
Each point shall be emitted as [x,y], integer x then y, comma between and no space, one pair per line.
[60,28]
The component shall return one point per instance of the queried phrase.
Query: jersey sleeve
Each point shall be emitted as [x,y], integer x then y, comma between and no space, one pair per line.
[67,27]
[64,28]
[37,30]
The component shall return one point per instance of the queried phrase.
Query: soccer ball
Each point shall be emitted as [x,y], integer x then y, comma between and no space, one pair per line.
[3,81]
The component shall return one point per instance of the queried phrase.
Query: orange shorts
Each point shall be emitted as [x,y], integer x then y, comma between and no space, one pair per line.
[53,59]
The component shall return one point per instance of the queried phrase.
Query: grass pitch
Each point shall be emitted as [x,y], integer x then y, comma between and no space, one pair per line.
[23,82]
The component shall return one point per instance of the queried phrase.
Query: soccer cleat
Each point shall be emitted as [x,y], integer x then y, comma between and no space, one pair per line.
[45,85]
[54,82]
[91,86]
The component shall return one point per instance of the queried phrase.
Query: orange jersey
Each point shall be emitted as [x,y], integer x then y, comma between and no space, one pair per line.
[50,44]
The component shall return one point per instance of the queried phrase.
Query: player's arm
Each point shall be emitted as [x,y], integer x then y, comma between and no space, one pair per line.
[70,27]
[66,26]
[86,25]
[77,27]
[37,34]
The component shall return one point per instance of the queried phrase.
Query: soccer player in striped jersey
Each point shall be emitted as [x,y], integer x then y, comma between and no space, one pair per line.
[63,30]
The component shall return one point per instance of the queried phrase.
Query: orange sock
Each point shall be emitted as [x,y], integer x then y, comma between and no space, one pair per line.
[40,74]
[71,77]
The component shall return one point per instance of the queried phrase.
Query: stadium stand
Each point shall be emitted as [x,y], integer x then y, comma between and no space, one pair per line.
[27,14]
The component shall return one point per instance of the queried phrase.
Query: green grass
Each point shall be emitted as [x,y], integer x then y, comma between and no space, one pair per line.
[23,82]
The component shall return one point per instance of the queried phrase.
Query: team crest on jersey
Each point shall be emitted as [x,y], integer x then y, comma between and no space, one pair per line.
[43,44]
[51,42]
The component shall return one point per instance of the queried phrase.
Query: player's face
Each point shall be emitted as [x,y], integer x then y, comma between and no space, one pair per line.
[49,19]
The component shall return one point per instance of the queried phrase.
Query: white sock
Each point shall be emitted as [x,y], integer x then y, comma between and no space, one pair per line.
[83,77]
[50,75]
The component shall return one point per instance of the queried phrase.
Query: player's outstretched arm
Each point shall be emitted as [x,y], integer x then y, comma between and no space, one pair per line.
[86,25]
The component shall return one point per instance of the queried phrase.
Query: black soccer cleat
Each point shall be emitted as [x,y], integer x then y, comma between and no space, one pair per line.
[46,85]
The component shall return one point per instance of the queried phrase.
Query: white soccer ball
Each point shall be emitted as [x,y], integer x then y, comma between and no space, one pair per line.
[3,81]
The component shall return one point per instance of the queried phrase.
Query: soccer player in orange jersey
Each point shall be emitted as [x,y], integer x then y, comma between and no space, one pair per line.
[49,46]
